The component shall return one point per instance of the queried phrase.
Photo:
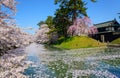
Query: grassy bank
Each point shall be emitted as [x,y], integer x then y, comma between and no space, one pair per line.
[78,42]
[116,41]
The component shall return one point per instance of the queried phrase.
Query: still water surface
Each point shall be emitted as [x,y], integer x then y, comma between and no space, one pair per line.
[85,63]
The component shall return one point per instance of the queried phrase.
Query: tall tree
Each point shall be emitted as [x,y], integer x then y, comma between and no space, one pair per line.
[73,8]
[49,21]
[40,23]
[68,11]
[7,10]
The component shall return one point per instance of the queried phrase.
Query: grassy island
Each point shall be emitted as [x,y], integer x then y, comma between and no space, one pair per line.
[116,41]
[78,42]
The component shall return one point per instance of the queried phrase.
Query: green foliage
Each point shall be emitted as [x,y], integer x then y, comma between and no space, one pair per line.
[72,8]
[61,39]
[61,23]
[79,42]
[68,11]
[49,21]
[40,23]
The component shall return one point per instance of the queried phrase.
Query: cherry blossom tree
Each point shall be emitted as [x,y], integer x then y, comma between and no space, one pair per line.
[7,10]
[82,26]
[11,37]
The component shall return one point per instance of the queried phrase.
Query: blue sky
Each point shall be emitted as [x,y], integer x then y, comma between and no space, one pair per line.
[30,12]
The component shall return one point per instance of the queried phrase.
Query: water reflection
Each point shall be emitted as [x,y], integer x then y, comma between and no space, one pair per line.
[89,63]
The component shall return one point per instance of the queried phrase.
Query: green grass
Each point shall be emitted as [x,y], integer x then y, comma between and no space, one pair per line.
[116,41]
[79,42]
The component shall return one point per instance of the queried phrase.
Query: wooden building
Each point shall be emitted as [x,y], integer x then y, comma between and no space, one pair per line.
[107,31]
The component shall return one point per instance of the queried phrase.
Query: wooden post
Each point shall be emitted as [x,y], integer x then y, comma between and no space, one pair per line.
[103,38]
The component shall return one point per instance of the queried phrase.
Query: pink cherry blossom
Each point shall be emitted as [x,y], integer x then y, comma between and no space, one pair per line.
[82,26]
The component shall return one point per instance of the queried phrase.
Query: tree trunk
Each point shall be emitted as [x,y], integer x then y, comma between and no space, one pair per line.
[74,12]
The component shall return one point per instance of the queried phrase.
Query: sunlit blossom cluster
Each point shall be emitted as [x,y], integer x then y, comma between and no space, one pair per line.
[82,26]
[9,4]
[7,10]
[11,37]
[41,35]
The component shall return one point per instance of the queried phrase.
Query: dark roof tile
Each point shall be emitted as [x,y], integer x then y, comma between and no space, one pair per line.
[108,23]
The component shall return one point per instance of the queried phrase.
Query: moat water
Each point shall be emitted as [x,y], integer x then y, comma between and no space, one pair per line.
[49,62]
